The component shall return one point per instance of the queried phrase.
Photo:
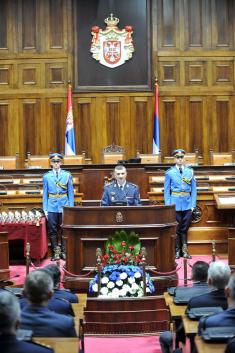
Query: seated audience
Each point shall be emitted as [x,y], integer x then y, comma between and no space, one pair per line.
[199,278]
[9,324]
[230,348]
[38,289]
[227,317]
[54,270]
[218,277]
[57,304]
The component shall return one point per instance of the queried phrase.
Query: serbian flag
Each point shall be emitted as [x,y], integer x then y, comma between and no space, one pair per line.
[70,149]
[156,126]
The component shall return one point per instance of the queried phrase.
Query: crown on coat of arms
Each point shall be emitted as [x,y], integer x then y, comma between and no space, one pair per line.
[111,21]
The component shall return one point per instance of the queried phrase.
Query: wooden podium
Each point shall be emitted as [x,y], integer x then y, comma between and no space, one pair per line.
[87,228]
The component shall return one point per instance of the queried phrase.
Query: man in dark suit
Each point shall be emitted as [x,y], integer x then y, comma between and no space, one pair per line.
[120,190]
[38,289]
[225,318]
[230,348]
[54,271]
[9,323]
[218,277]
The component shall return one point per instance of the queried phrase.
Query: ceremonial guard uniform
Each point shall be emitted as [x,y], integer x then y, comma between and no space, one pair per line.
[180,189]
[57,192]
[113,193]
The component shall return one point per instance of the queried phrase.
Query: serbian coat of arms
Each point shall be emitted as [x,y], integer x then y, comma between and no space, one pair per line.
[112,46]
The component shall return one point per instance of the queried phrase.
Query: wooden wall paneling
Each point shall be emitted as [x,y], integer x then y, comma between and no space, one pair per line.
[9,138]
[99,128]
[223,72]
[4,15]
[30,111]
[126,125]
[222,29]
[57,114]
[56,24]
[195,72]
[168,30]
[169,123]
[27,25]
[29,75]
[83,126]
[193,25]
[231,124]
[6,76]
[168,72]
[56,73]
[113,119]
[141,128]
[194,114]
[221,122]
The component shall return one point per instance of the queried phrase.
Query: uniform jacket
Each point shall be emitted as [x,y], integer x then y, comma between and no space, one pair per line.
[112,192]
[46,323]
[225,318]
[213,298]
[65,294]
[58,305]
[61,188]
[10,344]
[184,185]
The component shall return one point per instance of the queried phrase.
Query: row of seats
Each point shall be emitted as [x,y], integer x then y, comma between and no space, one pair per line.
[112,155]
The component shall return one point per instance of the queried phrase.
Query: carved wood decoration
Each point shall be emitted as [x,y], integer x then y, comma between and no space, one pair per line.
[193,51]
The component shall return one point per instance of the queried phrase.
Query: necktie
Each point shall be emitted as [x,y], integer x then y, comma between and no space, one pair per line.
[57,174]
[181,170]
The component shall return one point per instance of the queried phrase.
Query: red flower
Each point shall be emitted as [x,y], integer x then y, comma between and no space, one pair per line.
[115,251]
[120,256]
[125,259]
[115,257]
[106,256]
[123,251]
[123,243]
[131,247]
[118,262]
[111,247]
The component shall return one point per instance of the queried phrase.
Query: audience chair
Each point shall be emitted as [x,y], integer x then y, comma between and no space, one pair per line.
[9,162]
[221,158]
[190,158]
[76,159]
[149,158]
[36,161]
[112,154]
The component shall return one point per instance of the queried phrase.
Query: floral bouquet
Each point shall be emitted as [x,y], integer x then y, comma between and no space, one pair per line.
[121,273]
[122,281]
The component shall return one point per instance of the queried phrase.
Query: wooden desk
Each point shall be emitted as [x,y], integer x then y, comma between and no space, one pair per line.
[177,311]
[190,326]
[168,298]
[204,347]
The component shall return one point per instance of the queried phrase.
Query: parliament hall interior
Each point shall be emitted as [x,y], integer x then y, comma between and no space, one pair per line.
[117,176]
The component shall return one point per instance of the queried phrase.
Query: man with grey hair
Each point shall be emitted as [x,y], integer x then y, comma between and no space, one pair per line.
[120,191]
[9,323]
[218,277]
[38,289]
[225,318]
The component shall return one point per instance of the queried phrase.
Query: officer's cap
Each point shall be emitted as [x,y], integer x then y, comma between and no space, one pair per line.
[56,155]
[178,153]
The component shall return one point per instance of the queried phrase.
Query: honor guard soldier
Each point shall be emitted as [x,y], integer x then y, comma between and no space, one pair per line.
[120,191]
[180,189]
[57,193]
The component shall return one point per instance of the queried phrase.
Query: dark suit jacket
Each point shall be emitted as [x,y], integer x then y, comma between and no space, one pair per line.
[226,318]
[197,289]
[230,346]
[213,298]
[9,344]
[65,294]
[58,305]
[44,322]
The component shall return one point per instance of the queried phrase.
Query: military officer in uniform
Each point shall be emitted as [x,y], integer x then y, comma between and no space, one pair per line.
[120,191]
[180,189]
[57,192]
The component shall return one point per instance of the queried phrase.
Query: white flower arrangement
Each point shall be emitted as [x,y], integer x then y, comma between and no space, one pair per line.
[121,281]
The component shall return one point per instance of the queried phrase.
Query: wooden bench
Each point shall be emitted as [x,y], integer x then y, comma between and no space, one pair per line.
[60,344]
